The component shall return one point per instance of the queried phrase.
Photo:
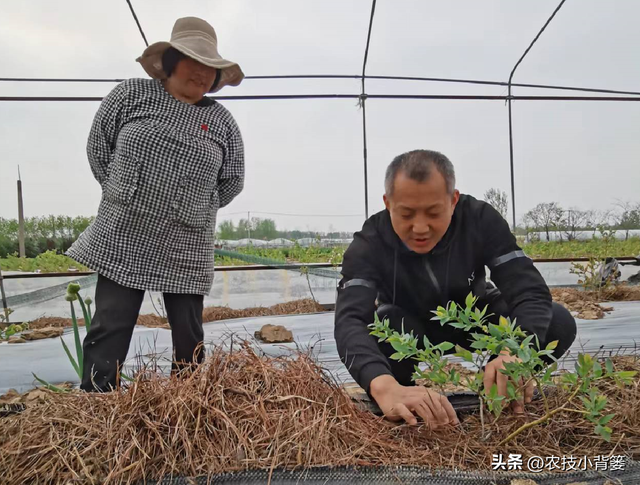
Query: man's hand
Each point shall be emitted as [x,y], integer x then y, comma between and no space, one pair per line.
[492,375]
[403,402]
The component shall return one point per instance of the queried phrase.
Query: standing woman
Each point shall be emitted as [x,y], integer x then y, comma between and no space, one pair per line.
[167,158]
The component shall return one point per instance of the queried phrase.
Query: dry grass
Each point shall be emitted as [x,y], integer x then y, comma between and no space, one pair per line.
[296,307]
[241,410]
[210,314]
[45,322]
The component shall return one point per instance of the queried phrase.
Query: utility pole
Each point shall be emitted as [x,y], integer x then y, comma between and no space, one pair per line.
[249,224]
[4,299]
[20,218]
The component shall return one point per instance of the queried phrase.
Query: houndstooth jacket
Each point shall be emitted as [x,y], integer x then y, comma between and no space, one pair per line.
[165,168]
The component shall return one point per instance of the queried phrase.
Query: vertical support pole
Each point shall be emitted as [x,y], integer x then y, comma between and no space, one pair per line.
[362,102]
[21,247]
[513,71]
[364,142]
[513,186]
[4,298]
[249,225]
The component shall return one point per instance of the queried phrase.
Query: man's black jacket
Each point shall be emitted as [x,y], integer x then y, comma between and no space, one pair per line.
[377,264]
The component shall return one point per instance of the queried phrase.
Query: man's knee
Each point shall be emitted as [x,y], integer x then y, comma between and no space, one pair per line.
[563,328]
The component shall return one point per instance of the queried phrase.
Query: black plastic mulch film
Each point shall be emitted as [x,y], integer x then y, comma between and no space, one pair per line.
[412,475]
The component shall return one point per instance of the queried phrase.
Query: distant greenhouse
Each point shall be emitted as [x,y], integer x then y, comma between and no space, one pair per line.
[620,234]
[282,243]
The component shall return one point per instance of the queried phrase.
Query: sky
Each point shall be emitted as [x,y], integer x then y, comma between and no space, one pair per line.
[304,157]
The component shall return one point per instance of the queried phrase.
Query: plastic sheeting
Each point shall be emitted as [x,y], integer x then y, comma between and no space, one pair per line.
[236,289]
[46,358]
[412,475]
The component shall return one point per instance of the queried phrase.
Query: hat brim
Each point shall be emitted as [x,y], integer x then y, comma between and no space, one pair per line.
[151,62]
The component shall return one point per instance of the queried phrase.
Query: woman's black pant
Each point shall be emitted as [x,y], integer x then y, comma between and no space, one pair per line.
[116,312]
[563,329]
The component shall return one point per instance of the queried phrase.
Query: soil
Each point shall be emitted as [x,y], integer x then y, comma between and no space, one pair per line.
[42,333]
[30,397]
[273,334]
[462,370]
[587,304]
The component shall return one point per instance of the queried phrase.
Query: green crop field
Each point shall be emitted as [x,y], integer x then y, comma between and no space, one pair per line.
[50,261]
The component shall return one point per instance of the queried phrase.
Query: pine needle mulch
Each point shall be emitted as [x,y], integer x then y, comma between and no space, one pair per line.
[209,314]
[241,410]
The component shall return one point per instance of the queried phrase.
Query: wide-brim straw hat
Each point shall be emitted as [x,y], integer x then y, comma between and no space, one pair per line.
[196,39]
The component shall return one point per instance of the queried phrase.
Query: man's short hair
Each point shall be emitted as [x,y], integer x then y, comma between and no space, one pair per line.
[418,165]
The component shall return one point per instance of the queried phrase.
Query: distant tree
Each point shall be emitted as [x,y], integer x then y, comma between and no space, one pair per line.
[244,229]
[264,229]
[627,216]
[546,217]
[573,221]
[226,230]
[499,200]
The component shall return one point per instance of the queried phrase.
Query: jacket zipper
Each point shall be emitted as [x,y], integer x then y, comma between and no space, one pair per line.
[432,276]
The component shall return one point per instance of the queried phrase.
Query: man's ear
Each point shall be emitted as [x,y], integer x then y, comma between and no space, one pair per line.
[387,203]
[455,198]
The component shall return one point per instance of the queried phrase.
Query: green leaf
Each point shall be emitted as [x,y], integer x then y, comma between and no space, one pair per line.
[85,314]
[597,369]
[126,377]
[626,375]
[48,386]
[609,366]
[604,431]
[478,345]
[454,377]
[457,324]
[397,356]
[470,300]
[570,378]
[464,354]
[588,404]
[71,359]
[527,342]
[605,419]
[495,331]
[76,337]
[426,342]
[511,368]
[552,345]
[444,346]
[549,372]
[524,355]
[493,392]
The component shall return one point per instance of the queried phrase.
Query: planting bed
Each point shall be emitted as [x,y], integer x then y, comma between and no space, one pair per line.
[244,411]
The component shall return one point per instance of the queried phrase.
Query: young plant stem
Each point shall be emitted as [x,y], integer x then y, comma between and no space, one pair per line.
[306,273]
[542,420]
[76,337]
[85,314]
[579,411]
[481,413]
[87,324]
[542,393]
